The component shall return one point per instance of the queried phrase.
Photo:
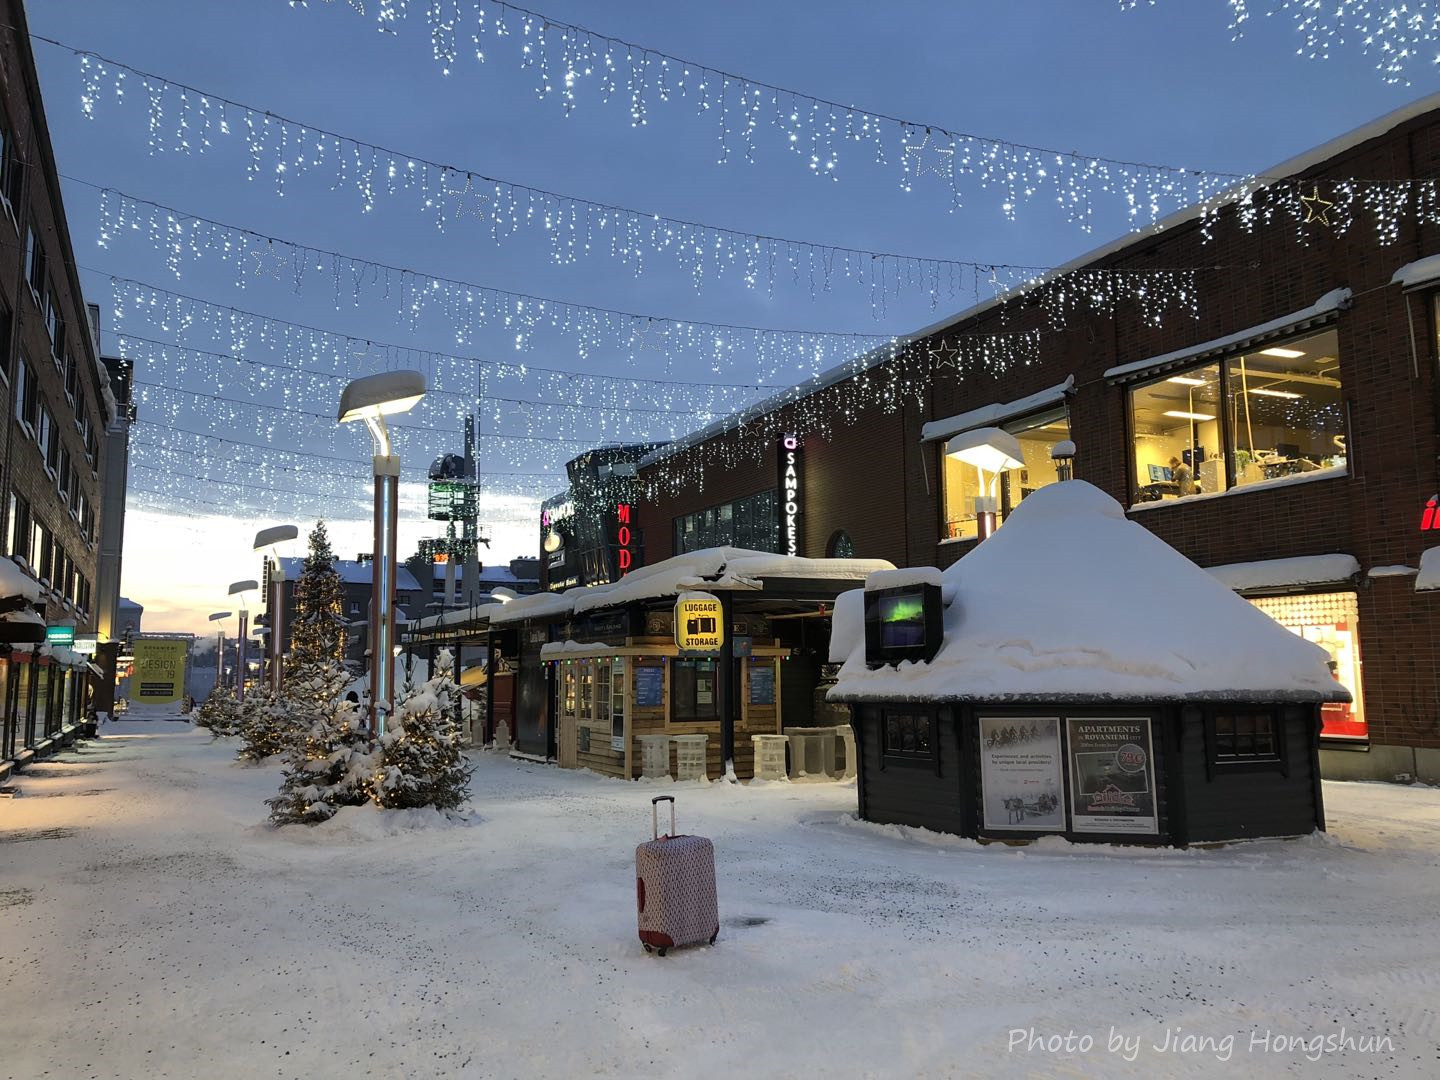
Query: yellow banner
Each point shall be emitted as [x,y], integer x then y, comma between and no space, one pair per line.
[158,677]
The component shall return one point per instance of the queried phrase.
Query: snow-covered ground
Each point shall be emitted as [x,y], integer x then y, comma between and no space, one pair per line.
[151,925]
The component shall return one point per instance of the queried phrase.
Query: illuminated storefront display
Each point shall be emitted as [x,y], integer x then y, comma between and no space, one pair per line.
[1329,620]
[792,514]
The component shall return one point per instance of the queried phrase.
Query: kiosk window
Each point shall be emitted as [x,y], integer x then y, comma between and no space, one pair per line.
[696,694]
[1244,737]
[908,735]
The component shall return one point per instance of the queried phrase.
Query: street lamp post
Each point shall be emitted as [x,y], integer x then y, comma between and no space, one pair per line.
[371,399]
[240,589]
[268,540]
[220,617]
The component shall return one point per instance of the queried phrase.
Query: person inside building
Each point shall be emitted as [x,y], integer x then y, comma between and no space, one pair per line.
[1184,479]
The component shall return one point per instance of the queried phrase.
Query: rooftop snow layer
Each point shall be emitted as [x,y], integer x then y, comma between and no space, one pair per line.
[1286,573]
[15,582]
[1069,601]
[991,415]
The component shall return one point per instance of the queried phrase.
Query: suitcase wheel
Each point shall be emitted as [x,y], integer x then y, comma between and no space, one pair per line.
[647,946]
[715,935]
[663,950]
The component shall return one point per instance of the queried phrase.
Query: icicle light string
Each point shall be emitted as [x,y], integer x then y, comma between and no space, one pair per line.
[185,238]
[563,59]
[182,361]
[165,502]
[1401,36]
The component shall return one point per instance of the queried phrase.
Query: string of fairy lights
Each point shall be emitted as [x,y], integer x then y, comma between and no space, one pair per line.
[262,376]
[1401,36]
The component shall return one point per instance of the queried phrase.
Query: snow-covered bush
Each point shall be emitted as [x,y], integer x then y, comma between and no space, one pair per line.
[329,764]
[266,726]
[419,761]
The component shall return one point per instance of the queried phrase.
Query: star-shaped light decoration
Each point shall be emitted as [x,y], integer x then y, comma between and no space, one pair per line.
[649,336]
[468,200]
[1316,208]
[268,260]
[945,354]
[360,353]
[943,158]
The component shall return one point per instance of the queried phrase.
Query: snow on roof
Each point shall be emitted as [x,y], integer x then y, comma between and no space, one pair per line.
[352,572]
[1397,570]
[722,568]
[896,579]
[1429,577]
[15,582]
[997,413]
[1243,190]
[543,605]
[479,613]
[23,615]
[847,625]
[1421,272]
[1333,300]
[1286,573]
[1070,601]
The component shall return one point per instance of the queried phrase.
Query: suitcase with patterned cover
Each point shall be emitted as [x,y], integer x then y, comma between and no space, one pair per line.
[675,887]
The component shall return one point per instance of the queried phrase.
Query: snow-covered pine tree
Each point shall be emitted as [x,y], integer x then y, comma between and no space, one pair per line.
[329,764]
[219,713]
[266,726]
[419,760]
[317,620]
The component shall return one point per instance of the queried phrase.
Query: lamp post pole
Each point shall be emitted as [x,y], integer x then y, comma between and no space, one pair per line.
[382,603]
[277,623]
[240,655]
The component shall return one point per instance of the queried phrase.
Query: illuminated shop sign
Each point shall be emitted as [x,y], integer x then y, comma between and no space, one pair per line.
[555,514]
[792,537]
[699,623]
[624,539]
[1430,519]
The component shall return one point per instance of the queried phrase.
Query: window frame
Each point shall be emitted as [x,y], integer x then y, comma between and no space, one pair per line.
[693,714]
[1277,761]
[1029,420]
[1222,362]
[929,758]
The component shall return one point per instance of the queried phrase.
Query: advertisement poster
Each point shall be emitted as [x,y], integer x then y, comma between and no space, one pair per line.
[649,683]
[159,674]
[1020,775]
[1113,775]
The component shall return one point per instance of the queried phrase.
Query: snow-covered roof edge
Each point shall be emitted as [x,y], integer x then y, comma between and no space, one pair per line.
[1333,300]
[1420,272]
[1286,573]
[1293,166]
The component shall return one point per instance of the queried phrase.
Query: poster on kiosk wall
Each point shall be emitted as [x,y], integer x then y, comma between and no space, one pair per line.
[1020,773]
[1112,781]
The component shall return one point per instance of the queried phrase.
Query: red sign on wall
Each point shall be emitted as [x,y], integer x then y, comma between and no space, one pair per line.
[624,539]
[1430,519]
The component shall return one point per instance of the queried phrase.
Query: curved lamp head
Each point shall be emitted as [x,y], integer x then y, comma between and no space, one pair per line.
[380,395]
[220,615]
[276,534]
[240,588]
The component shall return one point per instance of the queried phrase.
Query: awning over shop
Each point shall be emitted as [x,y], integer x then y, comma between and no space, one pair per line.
[1316,314]
[1298,572]
[15,582]
[997,413]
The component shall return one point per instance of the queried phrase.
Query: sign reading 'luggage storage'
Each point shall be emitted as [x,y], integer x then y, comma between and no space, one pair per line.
[699,623]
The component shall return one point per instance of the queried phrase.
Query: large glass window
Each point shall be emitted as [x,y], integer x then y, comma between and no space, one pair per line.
[751,522]
[1329,620]
[1268,413]
[962,482]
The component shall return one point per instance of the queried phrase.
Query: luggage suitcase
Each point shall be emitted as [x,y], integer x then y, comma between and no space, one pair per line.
[675,887]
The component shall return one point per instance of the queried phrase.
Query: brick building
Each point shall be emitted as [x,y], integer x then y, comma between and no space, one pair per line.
[54,413]
[1282,434]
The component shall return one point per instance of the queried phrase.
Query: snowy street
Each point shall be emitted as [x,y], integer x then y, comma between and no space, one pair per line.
[151,925]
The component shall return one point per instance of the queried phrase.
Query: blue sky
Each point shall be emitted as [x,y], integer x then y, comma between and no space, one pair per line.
[1162,83]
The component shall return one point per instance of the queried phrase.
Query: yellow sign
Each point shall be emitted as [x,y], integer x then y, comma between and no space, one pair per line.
[159,671]
[699,623]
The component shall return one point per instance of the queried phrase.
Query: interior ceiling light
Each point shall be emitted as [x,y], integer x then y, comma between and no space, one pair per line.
[1189,415]
[1274,393]
[1186,380]
[1284,354]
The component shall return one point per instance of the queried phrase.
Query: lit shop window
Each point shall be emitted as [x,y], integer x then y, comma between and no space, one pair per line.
[1274,412]
[965,489]
[1329,620]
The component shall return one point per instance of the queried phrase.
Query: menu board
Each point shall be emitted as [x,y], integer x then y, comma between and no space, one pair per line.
[762,684]
[1020,777]
[649,683]
[1112,781]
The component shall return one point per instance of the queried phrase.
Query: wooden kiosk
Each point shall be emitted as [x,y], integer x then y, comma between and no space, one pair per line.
[1090,682]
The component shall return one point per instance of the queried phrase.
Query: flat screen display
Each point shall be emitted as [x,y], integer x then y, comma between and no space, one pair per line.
[902,621]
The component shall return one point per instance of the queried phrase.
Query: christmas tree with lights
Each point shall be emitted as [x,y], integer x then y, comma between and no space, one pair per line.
[419,759]
[317,625]
[329,764]
[266,725]
[219,713]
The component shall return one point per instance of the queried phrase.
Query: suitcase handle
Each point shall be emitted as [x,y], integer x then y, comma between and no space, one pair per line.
[655,814]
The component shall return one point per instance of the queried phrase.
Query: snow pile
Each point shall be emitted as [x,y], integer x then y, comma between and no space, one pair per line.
[1070,601]
[847,626]
[1286,573]
[1429,576]
[15,582]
